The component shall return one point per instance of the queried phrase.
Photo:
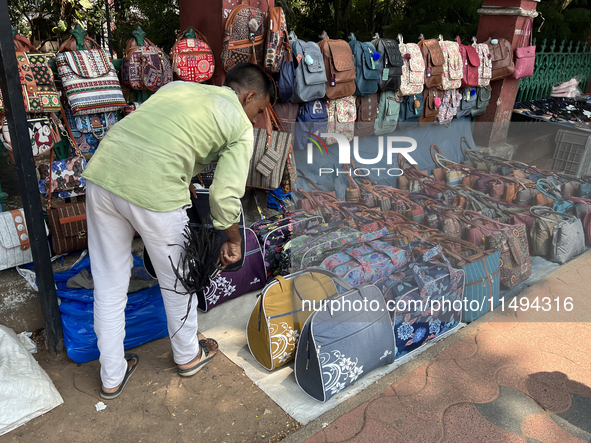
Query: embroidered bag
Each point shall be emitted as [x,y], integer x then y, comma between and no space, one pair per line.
[244,37]
[390,68]
[341,117]
[340,67]
[485,67]
[434,61]
[413,68]
[470,64]
[277,40]
[145,67]
[452,67]
[310,75]
[192,58]
[41,132]
[419,290]
[89,130]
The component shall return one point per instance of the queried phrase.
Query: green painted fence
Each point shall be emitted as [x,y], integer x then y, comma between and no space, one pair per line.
[556,65]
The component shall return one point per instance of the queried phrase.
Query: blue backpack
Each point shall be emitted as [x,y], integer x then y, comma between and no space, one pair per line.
[312,118]
[285,78]
[409,115]
[367,68]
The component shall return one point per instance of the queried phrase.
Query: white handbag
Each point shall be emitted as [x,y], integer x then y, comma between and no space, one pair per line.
[15,248]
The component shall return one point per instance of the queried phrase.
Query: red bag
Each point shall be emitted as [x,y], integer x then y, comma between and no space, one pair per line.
[525,55]
[470,63]
[192,58]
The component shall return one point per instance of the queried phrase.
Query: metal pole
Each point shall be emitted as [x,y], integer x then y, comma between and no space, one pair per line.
[27,180]
[109,28]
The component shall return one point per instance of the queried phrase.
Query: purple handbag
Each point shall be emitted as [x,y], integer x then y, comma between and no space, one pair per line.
[229,285]
[525,55]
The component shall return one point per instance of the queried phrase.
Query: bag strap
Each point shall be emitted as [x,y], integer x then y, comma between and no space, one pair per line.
[538,211]
[526,34]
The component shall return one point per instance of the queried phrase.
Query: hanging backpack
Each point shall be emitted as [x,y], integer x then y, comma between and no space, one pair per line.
[192,58]
[145,67]
[470,64]
[411,109]
[433,97]
[340,67]
[367,112]
[391,58]
[434,60]
[312,119]
[310,75]
[452,67]
[285,77]
[413,68]
[485,67]
[244,38]
[468,102]
[388,110]
[341,117]
[367,67]
[277,40]
[502,58]
[483,95]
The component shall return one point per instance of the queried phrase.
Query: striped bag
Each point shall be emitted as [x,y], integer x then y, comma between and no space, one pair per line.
[90,81]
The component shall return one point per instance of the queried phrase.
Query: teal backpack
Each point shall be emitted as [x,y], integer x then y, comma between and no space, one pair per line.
[367,66]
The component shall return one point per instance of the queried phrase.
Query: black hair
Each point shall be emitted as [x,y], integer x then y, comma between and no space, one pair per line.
[251,76]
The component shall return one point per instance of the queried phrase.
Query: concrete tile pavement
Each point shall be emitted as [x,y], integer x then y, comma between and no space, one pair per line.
[523,375]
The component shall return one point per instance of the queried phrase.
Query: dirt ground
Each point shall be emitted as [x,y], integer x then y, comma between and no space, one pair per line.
[218,404]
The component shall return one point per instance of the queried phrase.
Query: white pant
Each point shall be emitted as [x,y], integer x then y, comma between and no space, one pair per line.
[112,222]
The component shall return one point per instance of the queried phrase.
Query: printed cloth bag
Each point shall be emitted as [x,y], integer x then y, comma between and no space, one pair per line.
[192,58]
[525,53]
[275,231]
[244,37]
[89,130]
[337,348]
[41,131]
[276,321]
[145,67]
[365,263]
[90,81]
[470,63]
[452,67]
[449,106]
[485,67]
[36,78]
[413,68]
[340,67]
[390,63]
[277,40]
[423,293]
[341,117]
[66,177]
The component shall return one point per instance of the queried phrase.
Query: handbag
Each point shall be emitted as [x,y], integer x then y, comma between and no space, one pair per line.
[36,78]
[15,247]
[525,53]
[338,347]
[280,311]
[192,58]
[42,134]
[89,129]
[145,66]
[271,148]
[426,293]
[244,36]
[89,80]
[564,240]
[502,58]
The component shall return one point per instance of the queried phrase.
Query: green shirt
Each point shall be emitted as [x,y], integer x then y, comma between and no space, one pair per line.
[150,156]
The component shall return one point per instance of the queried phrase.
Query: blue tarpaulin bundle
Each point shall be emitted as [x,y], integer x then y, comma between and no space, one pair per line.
[145,318]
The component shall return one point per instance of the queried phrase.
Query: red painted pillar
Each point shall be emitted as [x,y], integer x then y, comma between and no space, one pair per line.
[498,113]
[209,18]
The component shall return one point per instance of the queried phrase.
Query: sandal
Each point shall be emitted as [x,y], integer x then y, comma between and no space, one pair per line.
[209,349]
[112,395]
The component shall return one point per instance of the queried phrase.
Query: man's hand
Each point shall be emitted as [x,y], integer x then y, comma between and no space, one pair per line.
[230,253]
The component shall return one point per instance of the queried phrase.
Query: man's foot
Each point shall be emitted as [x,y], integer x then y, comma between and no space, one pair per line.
[208,349]
[111,393]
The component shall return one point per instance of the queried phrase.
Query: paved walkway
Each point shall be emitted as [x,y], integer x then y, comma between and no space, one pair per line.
[515,377]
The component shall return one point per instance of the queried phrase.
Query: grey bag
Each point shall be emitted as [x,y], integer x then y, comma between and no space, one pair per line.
[568,237]
[482,98]
[467,103]
[339,347]
[310,75]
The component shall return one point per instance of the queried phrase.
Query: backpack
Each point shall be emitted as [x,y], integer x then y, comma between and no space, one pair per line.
[340,67]
[502,58]
[434,61]
[470,63]
[145,67]
[449,106]
[192,58]
[367,69]
[452,67]
[413,68]
[468,102]
[312,118]
[433,97]
[482,98]
[485,67]
[244,37]
[285,77]
[367,112]
[277,40]
[392,62]
[388,110]
[409,113]
[310,76]
[341,117]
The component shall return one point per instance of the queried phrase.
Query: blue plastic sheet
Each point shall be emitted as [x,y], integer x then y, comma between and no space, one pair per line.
[145,318]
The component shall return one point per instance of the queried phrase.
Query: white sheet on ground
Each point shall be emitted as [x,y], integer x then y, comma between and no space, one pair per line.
[26,391]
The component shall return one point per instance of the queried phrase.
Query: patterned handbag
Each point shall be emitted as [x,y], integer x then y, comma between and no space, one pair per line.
[145,67]
[36,78]
[413,68]
[485,67]
[192,58]
[341,117]
[88,130]
[423,293]
[42,133]
[452,67]
[89,80]
[277,40]
[244,37]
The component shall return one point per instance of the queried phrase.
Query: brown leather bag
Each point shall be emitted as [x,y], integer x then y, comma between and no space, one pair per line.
[502,58]
[432,100]
[434,60]
[67,224]
[340,67]
[496,188]
[367,111]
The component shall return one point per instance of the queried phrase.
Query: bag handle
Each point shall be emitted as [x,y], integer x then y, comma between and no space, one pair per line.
[66,44]
[526,34]
[415,267]
[334,277]
[538,211]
